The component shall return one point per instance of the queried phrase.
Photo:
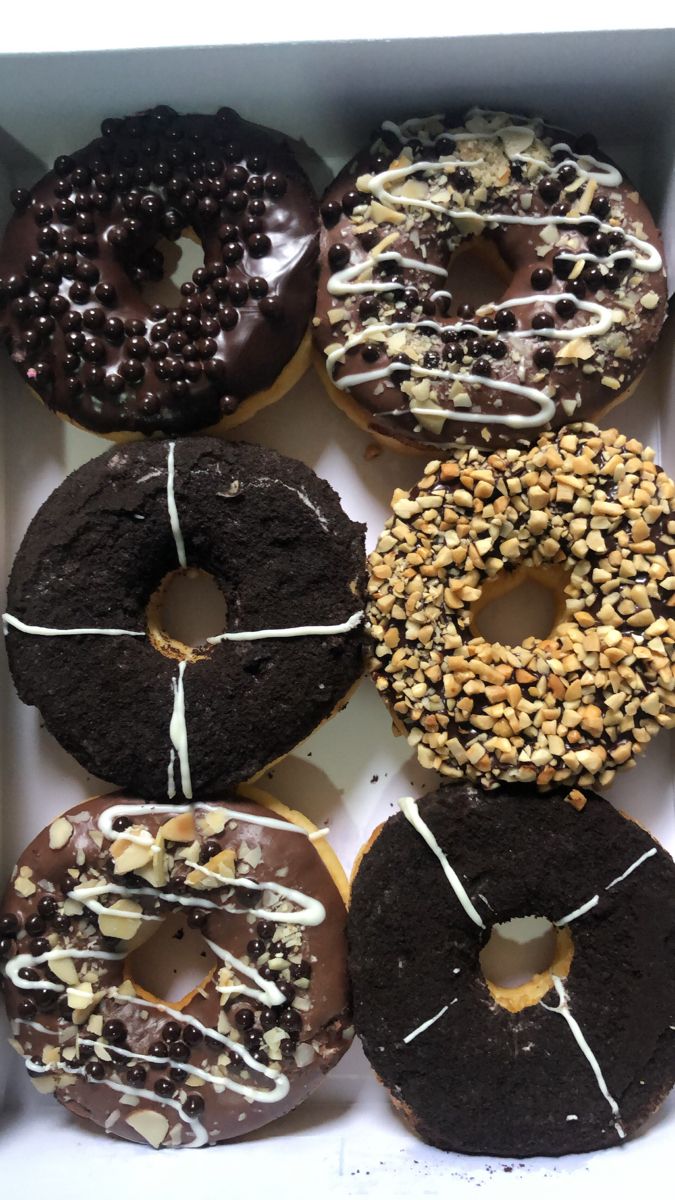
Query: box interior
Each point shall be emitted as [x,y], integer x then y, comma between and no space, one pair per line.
[349,773]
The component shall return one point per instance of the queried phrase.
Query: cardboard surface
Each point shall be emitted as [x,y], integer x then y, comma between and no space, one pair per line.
[345,1141]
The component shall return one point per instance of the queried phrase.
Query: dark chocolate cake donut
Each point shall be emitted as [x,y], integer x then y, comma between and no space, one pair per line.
[583,297]
[84,627]
[86,238]
[254,1037]
[585,1055]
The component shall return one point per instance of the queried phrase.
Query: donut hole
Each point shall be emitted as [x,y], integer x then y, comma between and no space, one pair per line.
[520,959]
[173,964]
[477,273]
[528,602]
[187,608]
[181,257]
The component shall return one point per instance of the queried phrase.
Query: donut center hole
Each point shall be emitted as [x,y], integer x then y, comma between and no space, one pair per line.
[520,959]
[187,608]
[477,274]
[527,603]
[180,258]
[172,964]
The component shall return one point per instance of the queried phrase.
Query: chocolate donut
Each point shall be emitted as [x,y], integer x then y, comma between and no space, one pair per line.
[85,635]
[256,1035]
[86,238]
[585,294]
[588,514]
[581,1059]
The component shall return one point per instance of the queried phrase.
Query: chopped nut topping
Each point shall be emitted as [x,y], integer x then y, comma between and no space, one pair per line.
[588,698]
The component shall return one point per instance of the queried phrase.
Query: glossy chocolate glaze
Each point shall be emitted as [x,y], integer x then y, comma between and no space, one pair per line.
[323,1026]
[280,548]
[84,239]
[579,395]
[481,1079]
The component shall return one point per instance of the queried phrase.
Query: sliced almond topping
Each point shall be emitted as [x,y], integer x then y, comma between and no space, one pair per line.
[128,855]
[221,864]
[151,1125]
[60,833]
[121,920]
[64,969]
[180,828]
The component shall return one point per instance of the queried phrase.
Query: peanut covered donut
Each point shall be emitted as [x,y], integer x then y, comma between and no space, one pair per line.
[86,636]
[589,514]
[256,1035]
[585,294]
[574,1060]
[86,238]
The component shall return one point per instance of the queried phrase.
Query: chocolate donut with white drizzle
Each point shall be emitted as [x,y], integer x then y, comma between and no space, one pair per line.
[582,310]
[84,627]
[576,1059]
[252,1040]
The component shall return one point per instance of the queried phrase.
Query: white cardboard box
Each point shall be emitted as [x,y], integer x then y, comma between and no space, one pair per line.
[346,1140]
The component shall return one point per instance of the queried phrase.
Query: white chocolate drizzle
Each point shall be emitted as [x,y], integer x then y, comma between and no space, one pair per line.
[408,807]
[266,1096]
[257,635]
[563,1009]
[18,961]
[46,631]
[584,908]
[171,505]
[179,737]
[633,867]
[356,278]
[427,1024]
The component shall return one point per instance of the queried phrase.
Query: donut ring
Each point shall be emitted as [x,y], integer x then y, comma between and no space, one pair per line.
[195,1071]
[84,628]
[584,507]
[585,294]
[86,237]
[468,1072]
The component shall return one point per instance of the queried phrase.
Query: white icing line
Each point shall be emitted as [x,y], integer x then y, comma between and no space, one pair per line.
[408,807]
[107,818]
[257,635]
[18,961]
[178,733]
[563,1010]
[171,504]
[299,492]
[266,991]
[426,1024]
[266,1095]
[234,1047]
[633,867]
[340,283]
[46,631]
[578,912]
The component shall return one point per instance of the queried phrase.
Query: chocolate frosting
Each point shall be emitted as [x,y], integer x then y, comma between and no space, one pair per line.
[85,238]
[490,343]
[481,1079]
[282,551]
[312,1040]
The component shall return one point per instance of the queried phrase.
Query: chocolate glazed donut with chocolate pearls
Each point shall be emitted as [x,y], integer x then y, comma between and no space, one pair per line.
[87,237]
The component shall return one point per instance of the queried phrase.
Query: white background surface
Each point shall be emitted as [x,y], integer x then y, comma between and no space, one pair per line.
[79,25]
[346,1141]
